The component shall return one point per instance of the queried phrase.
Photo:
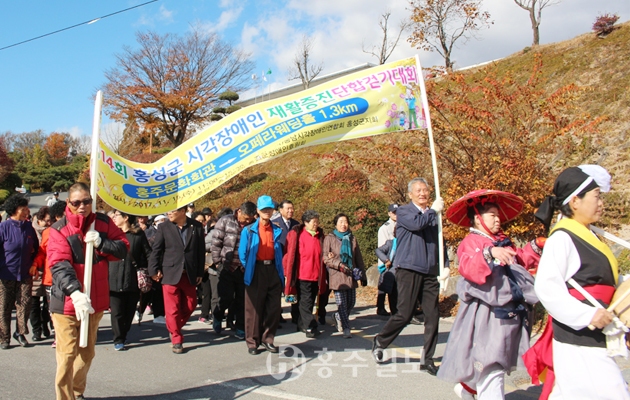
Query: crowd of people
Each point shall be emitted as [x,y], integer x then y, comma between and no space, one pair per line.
[240,264]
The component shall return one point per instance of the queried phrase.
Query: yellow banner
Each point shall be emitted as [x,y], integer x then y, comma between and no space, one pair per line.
[366,103]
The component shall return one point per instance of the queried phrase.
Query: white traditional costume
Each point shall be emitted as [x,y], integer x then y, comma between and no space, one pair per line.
[580,367]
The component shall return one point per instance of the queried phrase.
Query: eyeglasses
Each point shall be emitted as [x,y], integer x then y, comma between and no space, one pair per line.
[77,203]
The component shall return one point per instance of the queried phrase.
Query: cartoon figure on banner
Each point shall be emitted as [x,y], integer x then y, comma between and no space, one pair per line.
[402,118]
[410,99]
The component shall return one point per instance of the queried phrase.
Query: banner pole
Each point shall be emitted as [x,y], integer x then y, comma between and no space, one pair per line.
[89,248]
[425,106]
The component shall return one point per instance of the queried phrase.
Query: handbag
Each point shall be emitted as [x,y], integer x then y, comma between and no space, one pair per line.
[144,280]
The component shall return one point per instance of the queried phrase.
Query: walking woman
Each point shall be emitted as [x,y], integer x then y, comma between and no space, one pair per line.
[496,295]
[304,269]
[18,247]
[123,278]
[343,259]
[573,263]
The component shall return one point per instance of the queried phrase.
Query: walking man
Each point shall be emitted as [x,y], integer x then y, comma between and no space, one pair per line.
[285,220]
[226,277]
[69,306]
[417,270]
[179,246]
[260,252]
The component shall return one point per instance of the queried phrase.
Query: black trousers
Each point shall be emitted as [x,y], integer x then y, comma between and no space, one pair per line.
[231,290]
[307,294]
[155,297]
[123,306]
[412,286]
[40,316]
[323,302]
[262,306]
[206,297]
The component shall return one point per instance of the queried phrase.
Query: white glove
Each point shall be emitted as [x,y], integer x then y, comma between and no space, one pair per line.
[616,338]
[82,305]
[94,237]
[438,205]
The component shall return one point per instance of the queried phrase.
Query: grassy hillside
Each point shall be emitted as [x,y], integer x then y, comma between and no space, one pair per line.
[325,177]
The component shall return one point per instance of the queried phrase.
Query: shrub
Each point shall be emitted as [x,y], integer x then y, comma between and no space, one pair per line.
[4,194]
[604,24]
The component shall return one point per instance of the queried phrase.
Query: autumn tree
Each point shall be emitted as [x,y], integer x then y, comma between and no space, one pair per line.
[499,131]
[439,24]
[303,68]
[170,84]
[25,142]
[534,9]
[57,147]
[6,163]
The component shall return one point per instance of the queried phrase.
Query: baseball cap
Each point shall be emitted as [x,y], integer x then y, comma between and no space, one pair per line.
[191,204]
[56,193]
[265,202]
[159,218]
[392,208]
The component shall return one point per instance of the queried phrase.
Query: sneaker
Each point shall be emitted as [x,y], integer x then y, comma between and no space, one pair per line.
[203,320]
[54,344]
[150,312]
[346,333]
[178,348]
[338,323]
[4,345]
[240,334]
[119,346]
[415,321]
[216,326]
[463,393]
[159,320]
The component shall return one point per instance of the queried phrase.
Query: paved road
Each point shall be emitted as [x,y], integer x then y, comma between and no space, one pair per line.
[38,200]
[219,367]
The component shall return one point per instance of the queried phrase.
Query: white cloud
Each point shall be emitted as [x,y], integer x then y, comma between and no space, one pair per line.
[165,14]
[225,20]
[74,131]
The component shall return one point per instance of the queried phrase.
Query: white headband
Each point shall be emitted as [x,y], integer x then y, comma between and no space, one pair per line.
[578,190]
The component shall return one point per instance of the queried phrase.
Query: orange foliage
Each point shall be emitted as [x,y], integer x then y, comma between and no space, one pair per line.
[57,146]
[493,132]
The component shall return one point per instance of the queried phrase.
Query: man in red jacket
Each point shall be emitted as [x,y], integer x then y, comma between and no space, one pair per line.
[69,306]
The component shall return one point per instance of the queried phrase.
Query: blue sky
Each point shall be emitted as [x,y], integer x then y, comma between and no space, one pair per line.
[49,83]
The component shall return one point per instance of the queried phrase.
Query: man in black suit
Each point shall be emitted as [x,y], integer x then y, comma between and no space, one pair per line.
[285,220]
[177,260]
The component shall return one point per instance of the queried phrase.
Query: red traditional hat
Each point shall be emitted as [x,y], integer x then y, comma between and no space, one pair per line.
[510,205]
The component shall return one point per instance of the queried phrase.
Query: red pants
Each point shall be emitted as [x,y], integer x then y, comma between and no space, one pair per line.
[179,303]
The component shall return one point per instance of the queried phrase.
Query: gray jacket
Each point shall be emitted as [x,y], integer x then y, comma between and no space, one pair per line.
[224,240]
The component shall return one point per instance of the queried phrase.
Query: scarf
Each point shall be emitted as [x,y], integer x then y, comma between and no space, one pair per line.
[346,247]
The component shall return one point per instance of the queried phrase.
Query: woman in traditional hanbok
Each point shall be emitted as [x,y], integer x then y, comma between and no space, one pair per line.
[575,353]
[496,293]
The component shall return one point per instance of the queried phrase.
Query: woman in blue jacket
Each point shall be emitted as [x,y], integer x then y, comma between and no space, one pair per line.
[18,247]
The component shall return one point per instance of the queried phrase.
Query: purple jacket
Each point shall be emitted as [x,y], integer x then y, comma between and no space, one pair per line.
[18,247]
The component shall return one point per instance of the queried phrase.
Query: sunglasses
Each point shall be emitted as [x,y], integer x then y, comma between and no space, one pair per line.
[77,203]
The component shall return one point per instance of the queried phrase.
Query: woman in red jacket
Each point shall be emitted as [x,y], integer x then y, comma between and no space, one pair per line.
[304,269]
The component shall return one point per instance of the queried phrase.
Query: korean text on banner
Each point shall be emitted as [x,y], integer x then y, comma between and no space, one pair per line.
[366,103]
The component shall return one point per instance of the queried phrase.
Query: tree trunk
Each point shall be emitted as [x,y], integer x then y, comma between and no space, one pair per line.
[535,24]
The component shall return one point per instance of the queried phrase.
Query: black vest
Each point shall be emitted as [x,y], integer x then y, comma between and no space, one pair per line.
[595,269]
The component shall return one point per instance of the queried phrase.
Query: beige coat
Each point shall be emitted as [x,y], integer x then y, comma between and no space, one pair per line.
[338,280]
